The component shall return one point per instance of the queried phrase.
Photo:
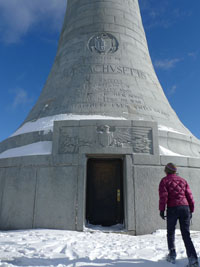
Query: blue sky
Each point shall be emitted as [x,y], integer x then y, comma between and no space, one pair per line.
[29,32]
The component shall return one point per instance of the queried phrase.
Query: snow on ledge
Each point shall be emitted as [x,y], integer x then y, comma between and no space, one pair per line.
[46,124]
[166,152]
[39,148]
[168,129]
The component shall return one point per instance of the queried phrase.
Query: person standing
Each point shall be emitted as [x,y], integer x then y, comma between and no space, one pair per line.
[175,194]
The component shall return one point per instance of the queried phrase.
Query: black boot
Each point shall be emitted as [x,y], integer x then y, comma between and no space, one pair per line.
[171,257]
[193,262]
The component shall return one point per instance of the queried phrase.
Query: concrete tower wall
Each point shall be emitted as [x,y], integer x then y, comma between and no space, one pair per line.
[50,191]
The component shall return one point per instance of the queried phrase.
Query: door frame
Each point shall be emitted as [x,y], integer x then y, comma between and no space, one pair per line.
[128,188]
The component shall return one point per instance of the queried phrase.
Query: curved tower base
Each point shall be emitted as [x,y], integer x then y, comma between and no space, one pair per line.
[55,190]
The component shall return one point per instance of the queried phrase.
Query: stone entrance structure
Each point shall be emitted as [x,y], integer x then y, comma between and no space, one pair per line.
[100,133]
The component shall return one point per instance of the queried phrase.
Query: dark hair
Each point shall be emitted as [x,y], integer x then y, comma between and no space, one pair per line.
[170,168]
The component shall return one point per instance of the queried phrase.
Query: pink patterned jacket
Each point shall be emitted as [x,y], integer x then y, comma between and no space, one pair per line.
[175,191]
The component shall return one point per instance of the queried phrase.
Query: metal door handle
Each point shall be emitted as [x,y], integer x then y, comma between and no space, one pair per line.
[118,195]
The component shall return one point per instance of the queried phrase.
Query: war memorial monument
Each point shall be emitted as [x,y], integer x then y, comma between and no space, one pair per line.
[100,133]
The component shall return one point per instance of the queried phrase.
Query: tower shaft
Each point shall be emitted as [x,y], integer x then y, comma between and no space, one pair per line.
[103,67]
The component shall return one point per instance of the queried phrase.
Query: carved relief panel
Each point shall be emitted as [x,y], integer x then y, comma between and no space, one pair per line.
[139,138]
[71,139]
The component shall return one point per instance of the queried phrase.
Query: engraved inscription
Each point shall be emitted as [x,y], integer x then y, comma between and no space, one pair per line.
[108,69]
[103,43]
[103,93]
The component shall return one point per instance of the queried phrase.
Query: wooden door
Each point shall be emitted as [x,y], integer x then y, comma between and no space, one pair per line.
[104,204]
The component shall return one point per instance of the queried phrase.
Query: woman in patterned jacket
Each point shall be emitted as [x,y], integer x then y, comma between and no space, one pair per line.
[175,194]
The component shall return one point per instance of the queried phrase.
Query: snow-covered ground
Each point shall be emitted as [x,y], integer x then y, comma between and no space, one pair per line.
[67,248]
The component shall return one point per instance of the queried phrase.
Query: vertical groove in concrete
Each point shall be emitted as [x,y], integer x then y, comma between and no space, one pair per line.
[35,198]
[2,189]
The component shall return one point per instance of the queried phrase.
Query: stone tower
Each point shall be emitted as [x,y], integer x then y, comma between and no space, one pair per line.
[93,148]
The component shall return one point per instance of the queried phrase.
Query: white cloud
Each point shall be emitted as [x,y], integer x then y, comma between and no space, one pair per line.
[161,13]
[172,90]
[17,17]
[21,98]
[166,64]
[193,55]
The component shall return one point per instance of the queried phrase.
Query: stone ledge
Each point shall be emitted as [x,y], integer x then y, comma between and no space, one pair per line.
[181,161]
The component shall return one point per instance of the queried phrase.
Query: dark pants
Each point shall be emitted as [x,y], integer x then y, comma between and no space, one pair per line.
[181,213]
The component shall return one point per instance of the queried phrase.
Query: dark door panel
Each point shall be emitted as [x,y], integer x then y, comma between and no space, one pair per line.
[104,192]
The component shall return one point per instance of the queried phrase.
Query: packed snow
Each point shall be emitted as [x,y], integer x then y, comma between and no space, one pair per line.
[39,148]
[74,249]
[167,152]
[168,129]
[46,124]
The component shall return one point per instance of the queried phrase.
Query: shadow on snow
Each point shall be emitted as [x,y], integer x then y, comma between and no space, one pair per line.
[84,262]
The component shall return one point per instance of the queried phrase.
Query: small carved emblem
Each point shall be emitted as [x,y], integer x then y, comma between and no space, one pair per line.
[103,43]
[105,136]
